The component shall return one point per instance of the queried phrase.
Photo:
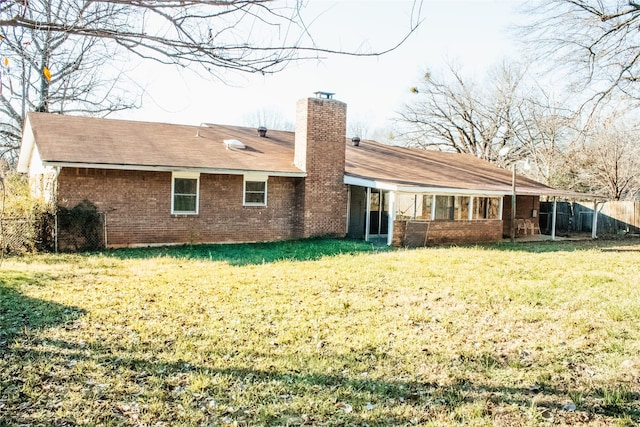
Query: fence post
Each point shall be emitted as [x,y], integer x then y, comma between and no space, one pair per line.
[553,218]
[594,223]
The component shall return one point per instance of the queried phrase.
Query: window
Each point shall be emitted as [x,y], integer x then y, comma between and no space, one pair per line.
[445,207]
[184,193]
[413,206]
[255,191]
[486,208]
[462,204]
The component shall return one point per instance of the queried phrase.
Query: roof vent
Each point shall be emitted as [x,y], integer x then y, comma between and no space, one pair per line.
[356,141]
[262,132]
[234,143]
[325,95]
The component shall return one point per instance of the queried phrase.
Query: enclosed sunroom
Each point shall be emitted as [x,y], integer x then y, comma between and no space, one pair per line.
[408,197]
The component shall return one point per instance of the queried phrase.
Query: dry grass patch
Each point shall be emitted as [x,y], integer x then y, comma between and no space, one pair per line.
[322,333]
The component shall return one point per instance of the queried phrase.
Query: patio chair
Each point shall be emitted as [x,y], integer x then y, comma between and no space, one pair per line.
[535,228]
[521,225]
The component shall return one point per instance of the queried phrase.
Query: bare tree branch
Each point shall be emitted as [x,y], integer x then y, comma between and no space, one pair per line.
[597,43]
[234,34]
[83,45]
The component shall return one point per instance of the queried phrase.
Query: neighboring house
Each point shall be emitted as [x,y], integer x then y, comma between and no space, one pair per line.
[172,184]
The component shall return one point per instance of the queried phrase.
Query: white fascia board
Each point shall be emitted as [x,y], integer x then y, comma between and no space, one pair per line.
[256,176]
[363,182]
[36,166]
[26,148]
[369,183]
[452,191]
[172,169]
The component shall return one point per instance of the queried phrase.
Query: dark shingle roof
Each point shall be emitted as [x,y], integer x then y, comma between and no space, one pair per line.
[68,139]
[129,144]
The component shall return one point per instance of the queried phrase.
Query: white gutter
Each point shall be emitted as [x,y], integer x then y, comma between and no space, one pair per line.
[173,169]
[370,183]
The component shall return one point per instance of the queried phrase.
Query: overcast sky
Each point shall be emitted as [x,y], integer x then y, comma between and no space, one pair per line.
[473,33]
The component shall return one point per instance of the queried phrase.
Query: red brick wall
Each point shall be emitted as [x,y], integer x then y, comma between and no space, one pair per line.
[525,205]
[138,207]
[320,151]
[451,232]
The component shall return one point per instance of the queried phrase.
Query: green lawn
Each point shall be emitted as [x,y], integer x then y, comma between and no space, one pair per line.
[323,332]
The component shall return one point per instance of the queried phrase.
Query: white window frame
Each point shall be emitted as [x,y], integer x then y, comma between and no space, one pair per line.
[185,175]
[254,178]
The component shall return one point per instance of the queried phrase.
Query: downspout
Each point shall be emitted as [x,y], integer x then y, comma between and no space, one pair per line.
[553,218]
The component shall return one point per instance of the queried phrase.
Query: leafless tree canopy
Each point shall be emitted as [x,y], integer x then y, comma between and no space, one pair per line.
[246,35]
[270,118]
[69,56]
[54,72]
[596,42]
[607,162]
[456,113]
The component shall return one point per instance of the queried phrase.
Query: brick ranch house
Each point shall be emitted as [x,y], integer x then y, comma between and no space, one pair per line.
[171,184]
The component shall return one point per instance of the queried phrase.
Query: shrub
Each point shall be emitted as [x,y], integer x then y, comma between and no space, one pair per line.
[26,222]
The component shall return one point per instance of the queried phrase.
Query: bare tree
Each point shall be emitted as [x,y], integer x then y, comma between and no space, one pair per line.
[246,35]
[67,56]
[456,114]
[271,118]
[608,161]
[597,43]
[54,72]
[545,131]
[360,126]
[510,111]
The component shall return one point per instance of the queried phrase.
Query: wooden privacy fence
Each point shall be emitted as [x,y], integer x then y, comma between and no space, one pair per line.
[614,217]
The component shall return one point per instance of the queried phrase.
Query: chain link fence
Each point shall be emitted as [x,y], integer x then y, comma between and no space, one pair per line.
[27,234]
[65,231]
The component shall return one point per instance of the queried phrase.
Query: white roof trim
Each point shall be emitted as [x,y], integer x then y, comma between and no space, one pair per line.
[256,176]
[364,182]
[26,148]
[173,169]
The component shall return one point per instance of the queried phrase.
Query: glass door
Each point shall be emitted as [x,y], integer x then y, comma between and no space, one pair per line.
[378,213]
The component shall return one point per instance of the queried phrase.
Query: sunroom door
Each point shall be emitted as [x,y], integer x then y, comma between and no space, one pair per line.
[378,212]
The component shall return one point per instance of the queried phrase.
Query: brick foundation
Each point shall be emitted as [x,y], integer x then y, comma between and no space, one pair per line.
[412,233]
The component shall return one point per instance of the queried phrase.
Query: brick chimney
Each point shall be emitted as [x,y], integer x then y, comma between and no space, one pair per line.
[320,141]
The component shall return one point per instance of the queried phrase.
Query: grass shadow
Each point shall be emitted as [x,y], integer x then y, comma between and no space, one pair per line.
[240,254]
[371,401]
[605,244]
[20,313]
